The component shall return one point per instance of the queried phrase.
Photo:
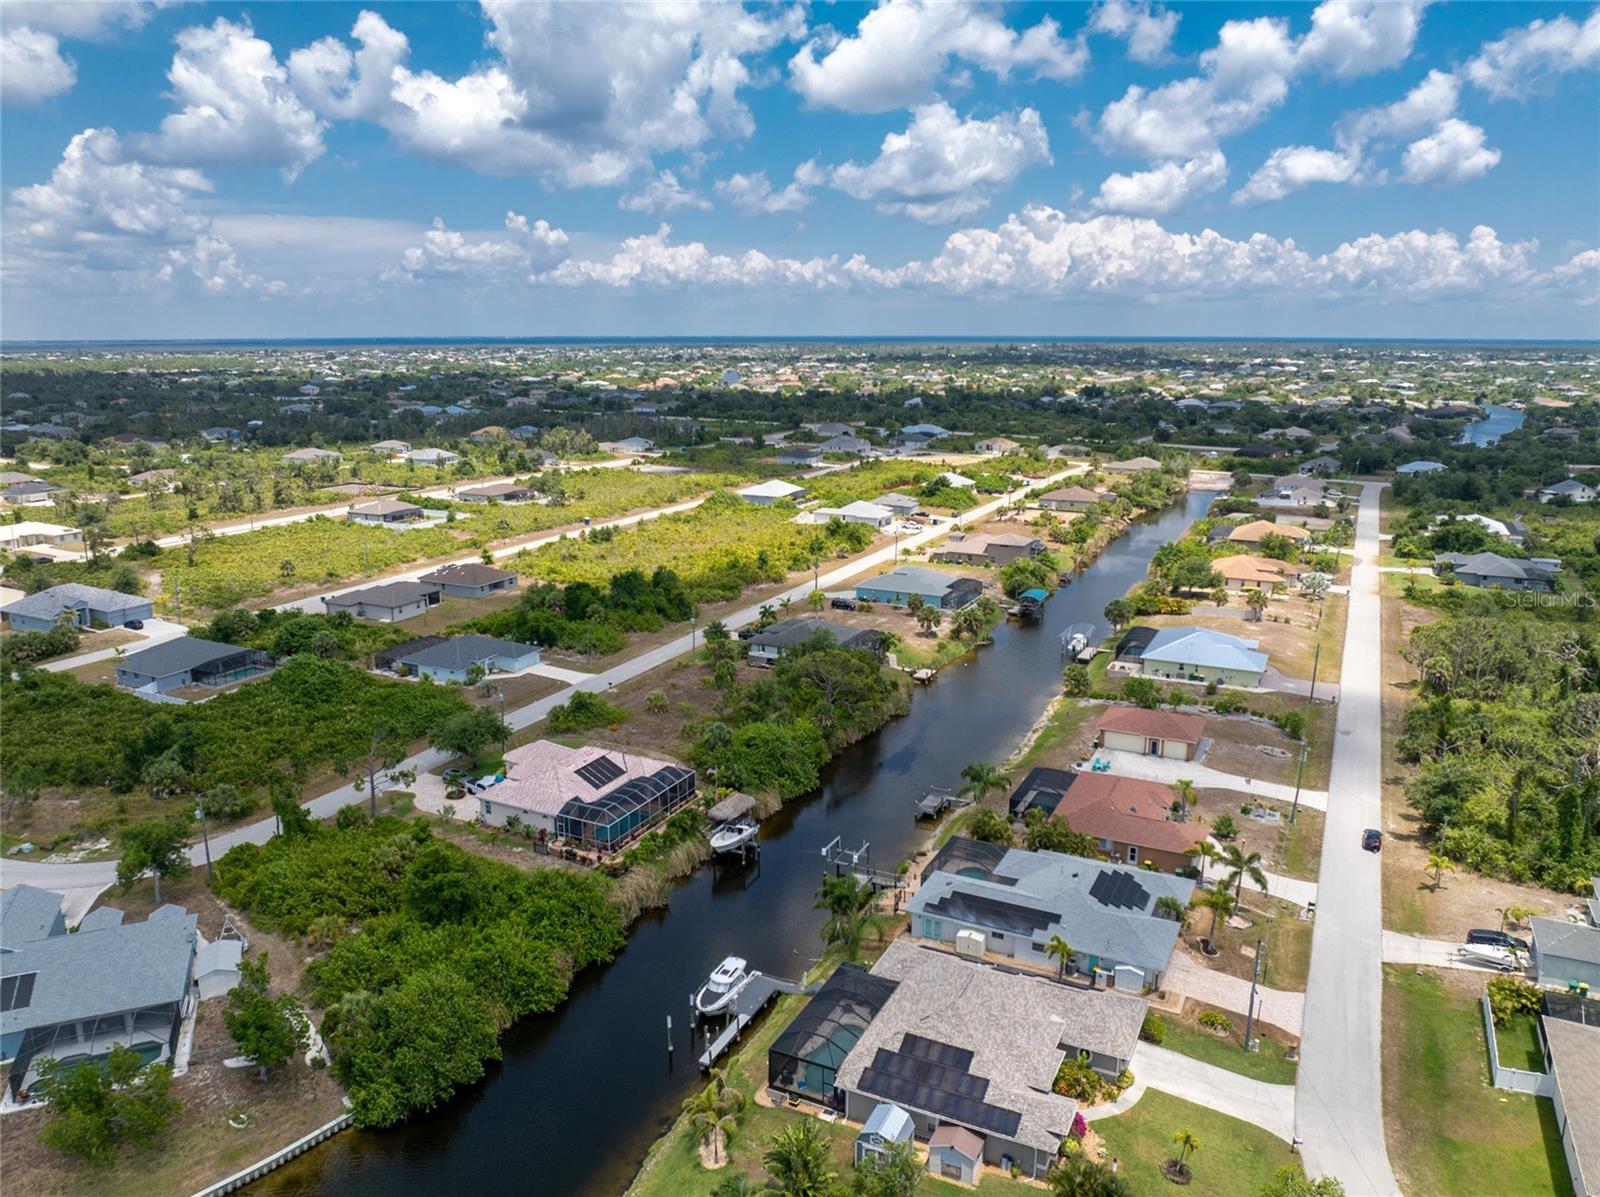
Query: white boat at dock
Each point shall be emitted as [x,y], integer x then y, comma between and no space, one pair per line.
[724,984]
[732,835]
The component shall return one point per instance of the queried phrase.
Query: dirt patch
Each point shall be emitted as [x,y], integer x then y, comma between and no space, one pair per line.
[1235,745]
[1285,848]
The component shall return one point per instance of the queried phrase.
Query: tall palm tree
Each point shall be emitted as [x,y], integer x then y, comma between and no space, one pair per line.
[1206,851]
[1440,864]
[982,778]
[1256,600]
[1220,903]
[849,905]
[1241,864]
[1187,1145]
[1061,952]
[798,1161]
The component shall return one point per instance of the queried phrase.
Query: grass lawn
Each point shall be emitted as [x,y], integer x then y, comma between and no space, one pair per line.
[1519,1045]
[1235,1159]
[1302,845]
[1449,1133]
[1269,1064]
[1288,939]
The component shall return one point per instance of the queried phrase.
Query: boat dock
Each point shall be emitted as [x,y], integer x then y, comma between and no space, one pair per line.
[935,802]
[752,997]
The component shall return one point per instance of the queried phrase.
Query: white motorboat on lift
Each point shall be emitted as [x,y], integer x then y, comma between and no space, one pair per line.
[722,986]
[732,835]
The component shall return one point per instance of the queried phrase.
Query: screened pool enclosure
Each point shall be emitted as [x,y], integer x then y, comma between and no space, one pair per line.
[805,1059]
[613,818]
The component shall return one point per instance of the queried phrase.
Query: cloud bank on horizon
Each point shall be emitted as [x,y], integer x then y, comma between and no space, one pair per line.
[1125,166]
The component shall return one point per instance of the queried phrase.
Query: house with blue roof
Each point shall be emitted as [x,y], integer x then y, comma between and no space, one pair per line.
[1201,655]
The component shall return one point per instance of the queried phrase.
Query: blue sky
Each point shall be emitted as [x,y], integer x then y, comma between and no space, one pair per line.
[1117,168]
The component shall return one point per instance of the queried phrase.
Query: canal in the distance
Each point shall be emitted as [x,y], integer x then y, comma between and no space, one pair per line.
[1495,424]
[582,1093]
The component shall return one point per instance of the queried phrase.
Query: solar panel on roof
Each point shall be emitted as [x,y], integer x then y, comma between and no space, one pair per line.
[16,993]
[1119,890]
[601,771]
[940,1102]
[940,1053]
[925,1072]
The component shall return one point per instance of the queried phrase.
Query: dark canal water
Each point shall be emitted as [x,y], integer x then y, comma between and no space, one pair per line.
[1493,426]
[583,1092]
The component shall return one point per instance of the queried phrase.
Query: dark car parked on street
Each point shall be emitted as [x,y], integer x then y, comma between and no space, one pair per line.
[1372,839]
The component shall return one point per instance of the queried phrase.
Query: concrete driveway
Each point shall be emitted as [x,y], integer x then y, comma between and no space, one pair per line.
[1399,948]
[1327,691]
[1154,768]
[1271,1107]
[155,632]
[1339,1093]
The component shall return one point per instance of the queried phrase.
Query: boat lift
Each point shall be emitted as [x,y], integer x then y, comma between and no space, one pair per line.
[855,862]
[936,801]
[752,996]
[1077,643]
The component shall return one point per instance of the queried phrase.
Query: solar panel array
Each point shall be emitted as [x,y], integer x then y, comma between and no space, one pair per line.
[1112,888]
[16,992]
[949,1093]
[600,772]
[939,1053]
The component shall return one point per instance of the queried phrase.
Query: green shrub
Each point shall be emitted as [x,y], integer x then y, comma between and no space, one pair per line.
[1154,1029]
[1510,996]
[1224,828]
[582,712]
[1215,1020]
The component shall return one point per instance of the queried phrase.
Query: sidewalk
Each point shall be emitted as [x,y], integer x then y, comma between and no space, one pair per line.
[1154,768]
[1271,1107]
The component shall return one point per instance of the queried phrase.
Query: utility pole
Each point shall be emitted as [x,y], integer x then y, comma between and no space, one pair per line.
[1255,979]
[205,836]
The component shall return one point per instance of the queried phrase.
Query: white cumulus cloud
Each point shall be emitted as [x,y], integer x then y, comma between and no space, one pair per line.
[1424,107]
[32,66]
[237,105]
[902,48]
[1147,28]
[575,94]
[654,260]
[522,250]
[1452,153]
[1166,189]
[1350,38]
[1292,168]
[103,215]
[1527,59]
[943,167]
[663,194]
[754,193]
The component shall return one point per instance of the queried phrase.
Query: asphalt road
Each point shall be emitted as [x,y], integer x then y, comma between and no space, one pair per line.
[1339,1092]
[71,876]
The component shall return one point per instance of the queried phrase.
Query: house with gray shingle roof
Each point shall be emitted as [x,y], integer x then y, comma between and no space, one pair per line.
[72,997]
[189,661]
[75,602]
[1565,953]
[1106,911]
[1494,572]
[451,660]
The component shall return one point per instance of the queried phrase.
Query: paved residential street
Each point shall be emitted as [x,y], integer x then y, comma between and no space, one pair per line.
[63,876]
[1339,1094]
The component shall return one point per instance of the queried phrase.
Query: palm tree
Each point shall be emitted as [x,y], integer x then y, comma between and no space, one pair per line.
[982,777]
[1220,903]
[815,600]
[1061,952]
[798,1161]
[1170,907]
[1187,1145]
[929,618]
[1440,864]
[1256,600]
[1185,789]
[849,906]
[1075,1176]
[704,1114]
[1205,852]
[1241,864]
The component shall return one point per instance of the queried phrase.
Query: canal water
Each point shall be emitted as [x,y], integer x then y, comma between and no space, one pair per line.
[1493,426]
[583,1092]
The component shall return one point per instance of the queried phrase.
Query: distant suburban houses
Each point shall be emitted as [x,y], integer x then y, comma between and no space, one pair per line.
[470,579]
[189,661]
[455,659]
[1494,572]
[988,549]
[389,602]
[770,644]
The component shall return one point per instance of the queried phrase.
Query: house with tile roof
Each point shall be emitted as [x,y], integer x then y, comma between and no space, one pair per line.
[1169,734]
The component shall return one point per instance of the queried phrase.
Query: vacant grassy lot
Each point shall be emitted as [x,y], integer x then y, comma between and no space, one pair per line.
[1235,1159]
[1449,1133]
[1288,938]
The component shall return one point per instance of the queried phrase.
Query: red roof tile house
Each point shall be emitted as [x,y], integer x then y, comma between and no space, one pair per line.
[1151,733]
[1129,819]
